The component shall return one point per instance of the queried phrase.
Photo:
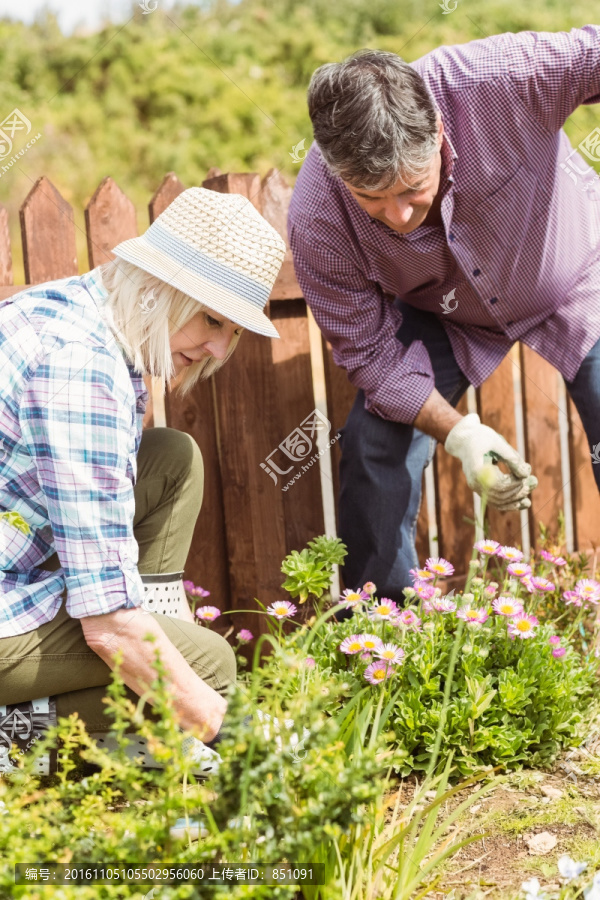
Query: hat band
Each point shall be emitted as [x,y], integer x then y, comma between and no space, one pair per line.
[194,261]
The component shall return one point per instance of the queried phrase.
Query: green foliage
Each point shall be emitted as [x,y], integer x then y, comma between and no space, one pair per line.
[214,84]
[509,701]
[310,570]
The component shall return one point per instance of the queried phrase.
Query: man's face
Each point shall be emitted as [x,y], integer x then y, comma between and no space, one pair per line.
[405,205]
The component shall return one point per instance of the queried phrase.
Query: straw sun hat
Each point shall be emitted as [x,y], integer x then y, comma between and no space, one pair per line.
[216,248]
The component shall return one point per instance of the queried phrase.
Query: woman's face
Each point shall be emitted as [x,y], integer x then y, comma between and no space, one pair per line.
[207,334]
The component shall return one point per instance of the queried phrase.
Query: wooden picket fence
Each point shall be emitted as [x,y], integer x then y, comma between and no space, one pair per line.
[269,387]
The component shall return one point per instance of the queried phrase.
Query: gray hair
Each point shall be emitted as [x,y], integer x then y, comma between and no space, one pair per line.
[143,313]
[373,119]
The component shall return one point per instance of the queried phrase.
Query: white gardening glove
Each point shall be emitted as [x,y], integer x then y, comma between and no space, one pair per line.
[471,442]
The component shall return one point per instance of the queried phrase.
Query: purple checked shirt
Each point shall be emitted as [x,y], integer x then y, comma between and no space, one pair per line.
[520,244]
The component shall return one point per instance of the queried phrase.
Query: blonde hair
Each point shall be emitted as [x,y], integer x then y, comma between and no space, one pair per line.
[144,312]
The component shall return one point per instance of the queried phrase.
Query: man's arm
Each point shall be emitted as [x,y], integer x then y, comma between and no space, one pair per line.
[437,417]
[553,72]
[361,323]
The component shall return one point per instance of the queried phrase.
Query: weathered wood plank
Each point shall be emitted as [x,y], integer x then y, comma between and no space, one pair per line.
[169,188]
[303,506]
[48,234]
[276,194]
[422,538]
[586,502]
[207,563]
[454,503]
[340,397]
[249,430]
[109,219]
[497,409]
[8,290]
[6,269]
[245,183]
[542,440]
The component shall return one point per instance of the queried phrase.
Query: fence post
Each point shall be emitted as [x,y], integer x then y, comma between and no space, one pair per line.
[48,234]
[6,270]
[248,429]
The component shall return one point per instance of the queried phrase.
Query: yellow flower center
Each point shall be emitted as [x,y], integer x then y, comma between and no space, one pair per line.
[524,626]
[384,610]
[355,646]
[472,614]
[281,610]
[379,674]
[506,608]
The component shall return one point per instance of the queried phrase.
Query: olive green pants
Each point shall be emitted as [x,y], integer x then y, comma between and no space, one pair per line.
[54,659]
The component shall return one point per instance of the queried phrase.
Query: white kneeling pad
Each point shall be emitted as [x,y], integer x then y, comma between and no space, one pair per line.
[206,760]
[164,594]
[24,724]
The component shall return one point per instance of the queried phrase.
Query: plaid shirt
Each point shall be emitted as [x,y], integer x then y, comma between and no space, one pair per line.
[71,410]
[521,236]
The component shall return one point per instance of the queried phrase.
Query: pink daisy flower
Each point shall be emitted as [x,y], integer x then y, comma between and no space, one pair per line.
[588,589]
[554,640]
[366,656]
[383,609]
[558,652]
[378,671]
[309,662]
[421,575]
[208,613]
[519,570]
[490,548]
[369,587]
[522,626]
[472,616]
[572,598]
[408,619]
[511,554]
[490,590]
[244,636]
[424,591]
[542,584]
[391,653]
[439,566]
[351,598]
[427,606]
[555,560]
[351,645]
[195,590]
[370,642]
[444,605]
[507,606]
[281,609]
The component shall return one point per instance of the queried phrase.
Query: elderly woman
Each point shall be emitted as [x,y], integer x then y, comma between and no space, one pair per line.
[91,508]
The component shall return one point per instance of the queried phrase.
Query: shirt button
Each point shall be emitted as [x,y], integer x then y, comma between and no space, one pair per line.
[476,272]
[451,236]
[494,300]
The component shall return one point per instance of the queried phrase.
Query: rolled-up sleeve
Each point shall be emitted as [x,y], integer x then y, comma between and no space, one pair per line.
[77,416]
[554,73]
[360,322]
